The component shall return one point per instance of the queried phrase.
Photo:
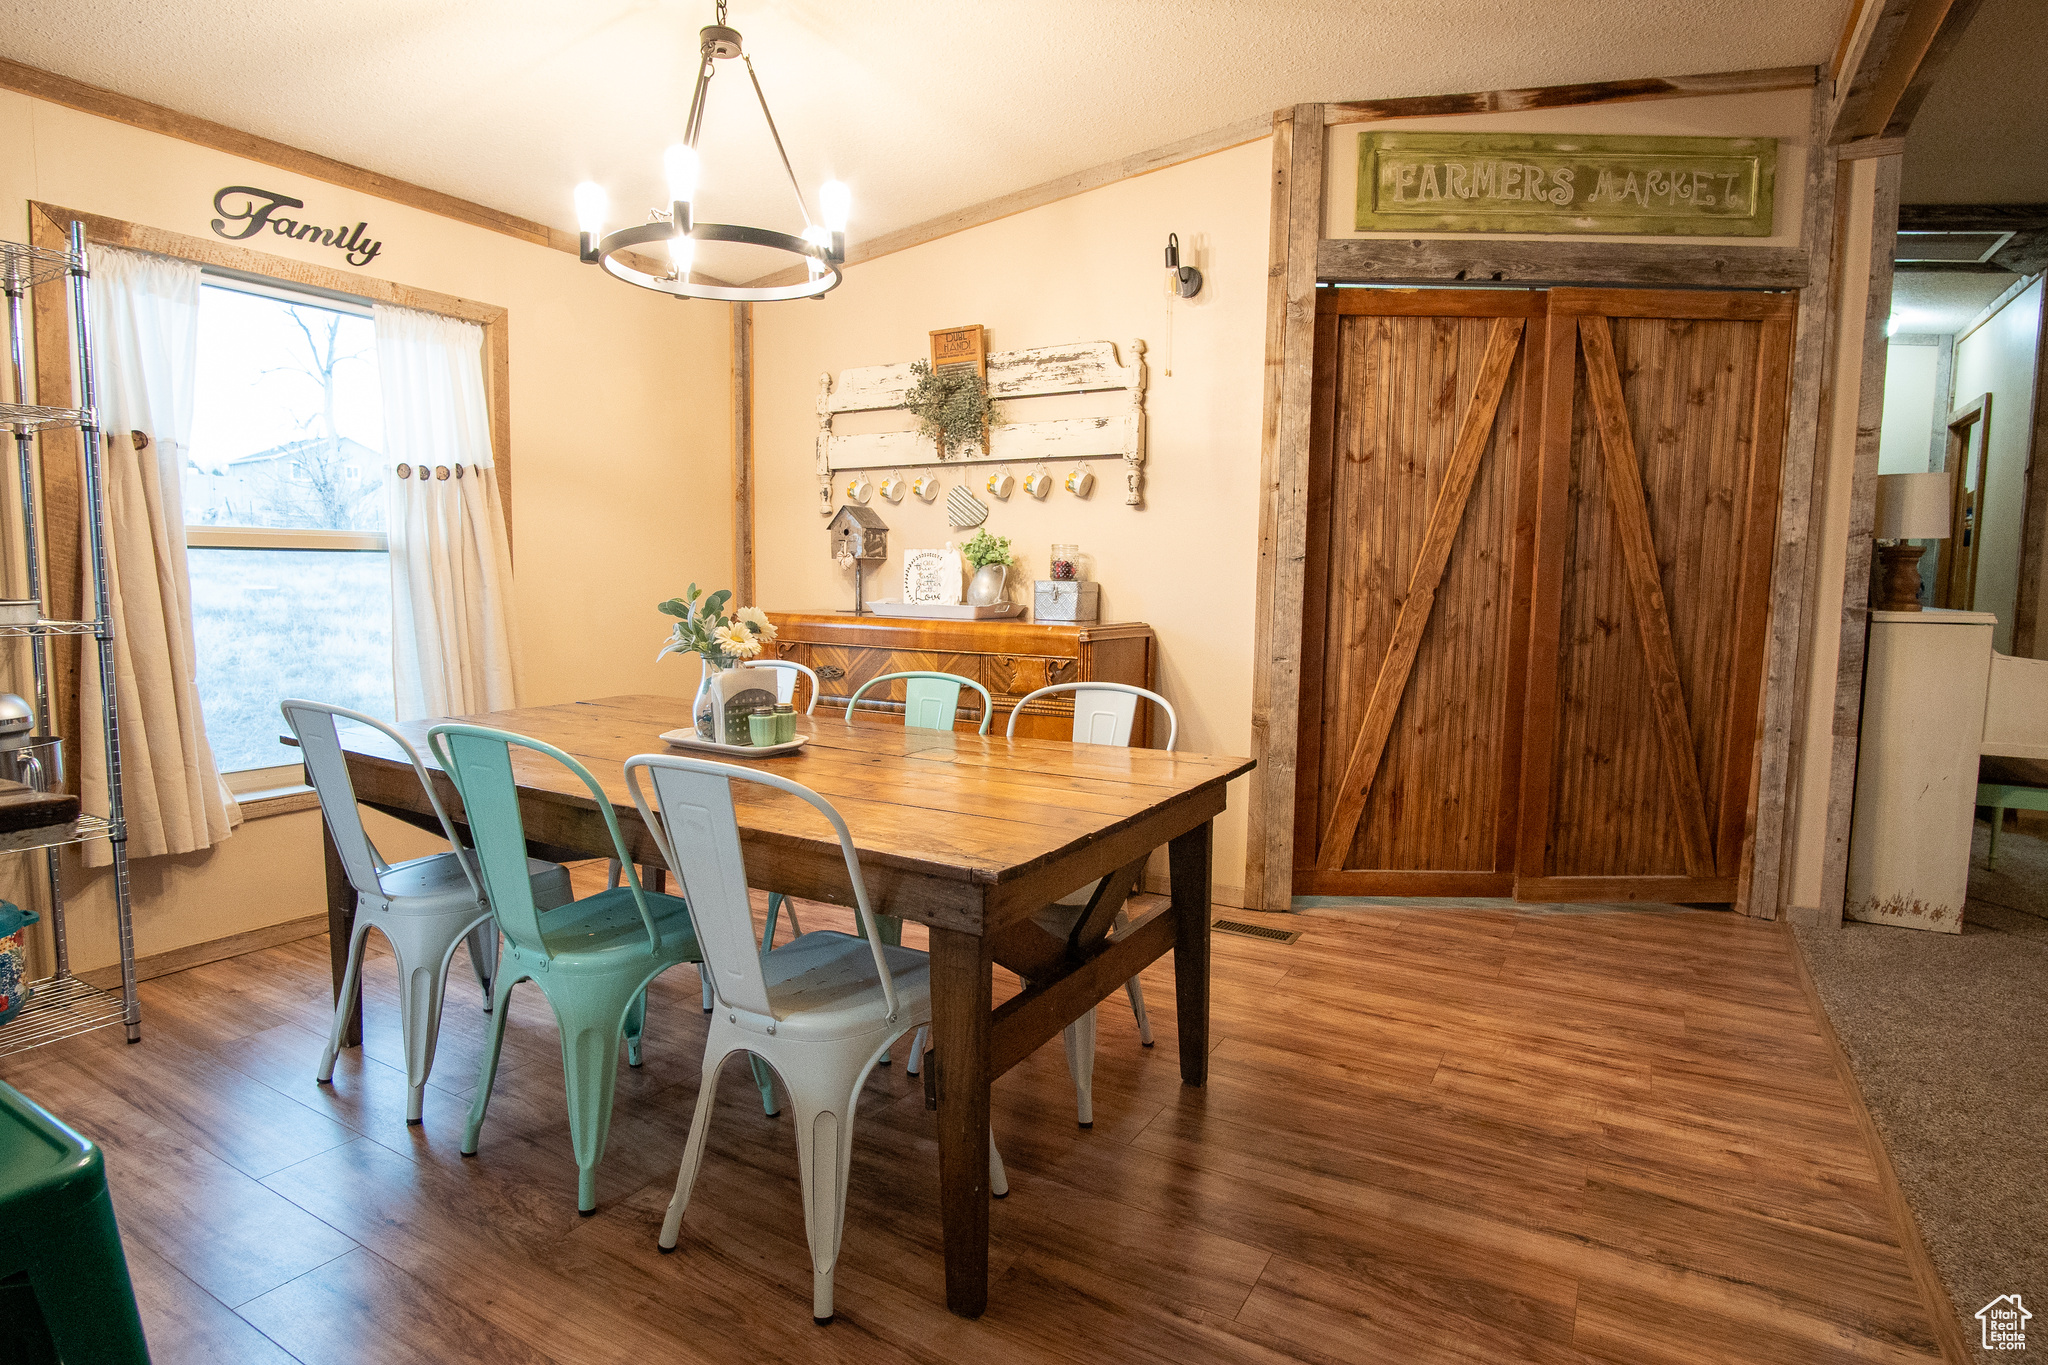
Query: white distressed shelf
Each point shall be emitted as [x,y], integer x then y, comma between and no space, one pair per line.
[1042,372]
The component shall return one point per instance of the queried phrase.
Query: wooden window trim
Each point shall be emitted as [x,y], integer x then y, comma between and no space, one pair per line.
[48,225]
[58,464]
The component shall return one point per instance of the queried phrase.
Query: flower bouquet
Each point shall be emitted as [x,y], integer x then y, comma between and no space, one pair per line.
[726,694]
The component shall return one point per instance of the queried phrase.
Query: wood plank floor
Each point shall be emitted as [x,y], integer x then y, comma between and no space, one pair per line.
[1429,1136]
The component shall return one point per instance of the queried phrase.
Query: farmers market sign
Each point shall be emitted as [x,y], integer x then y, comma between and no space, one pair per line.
[1539,182]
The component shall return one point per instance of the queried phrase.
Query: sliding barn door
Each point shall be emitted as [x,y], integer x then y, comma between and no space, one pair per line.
[1421,494]
[1664,417]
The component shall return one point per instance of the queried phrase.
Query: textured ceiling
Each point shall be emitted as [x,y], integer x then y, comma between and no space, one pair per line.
[1982,135]
[1942,301]
[921,106]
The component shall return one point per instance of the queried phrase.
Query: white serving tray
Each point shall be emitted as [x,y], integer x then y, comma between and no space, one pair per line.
[932,612]
[689,739]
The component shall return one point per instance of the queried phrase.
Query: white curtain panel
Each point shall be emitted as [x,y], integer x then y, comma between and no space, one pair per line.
[453,645]
[145,324]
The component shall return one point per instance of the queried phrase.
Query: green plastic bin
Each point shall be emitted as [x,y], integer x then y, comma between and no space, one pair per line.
[64,1288]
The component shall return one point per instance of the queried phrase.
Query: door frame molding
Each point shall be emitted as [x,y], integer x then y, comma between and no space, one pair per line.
[1970,445]
[1297,263]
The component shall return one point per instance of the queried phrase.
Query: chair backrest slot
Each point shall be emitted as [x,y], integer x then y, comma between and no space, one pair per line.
[704,852]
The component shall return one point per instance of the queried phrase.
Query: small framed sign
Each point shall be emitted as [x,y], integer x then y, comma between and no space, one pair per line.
[961,346]
[1543,182]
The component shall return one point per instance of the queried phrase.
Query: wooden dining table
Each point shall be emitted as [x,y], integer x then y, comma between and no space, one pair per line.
[969,835]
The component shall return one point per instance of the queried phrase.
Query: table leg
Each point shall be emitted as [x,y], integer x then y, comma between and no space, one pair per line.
[1188,859]
[961,1017]
[341,923]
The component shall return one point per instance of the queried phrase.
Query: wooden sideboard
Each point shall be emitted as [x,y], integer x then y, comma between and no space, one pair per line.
[1009,658]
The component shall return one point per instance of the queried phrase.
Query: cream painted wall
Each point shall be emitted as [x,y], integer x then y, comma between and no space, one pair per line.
[1782,114]
[1905,442]
[1998,359]
[620,424]
[1083,269]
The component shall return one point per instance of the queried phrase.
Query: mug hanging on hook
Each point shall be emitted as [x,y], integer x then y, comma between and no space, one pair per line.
[1081,481]
[1038,483]
[1000,483]
[892,487]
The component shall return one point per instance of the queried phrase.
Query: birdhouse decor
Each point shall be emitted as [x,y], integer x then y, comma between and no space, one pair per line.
[859,538]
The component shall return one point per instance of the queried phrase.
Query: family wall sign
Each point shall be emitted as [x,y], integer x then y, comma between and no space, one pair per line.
[253,210]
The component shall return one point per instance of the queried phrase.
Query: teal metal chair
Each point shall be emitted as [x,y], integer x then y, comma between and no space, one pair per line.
[64,1288]
[931,701]
[592,958]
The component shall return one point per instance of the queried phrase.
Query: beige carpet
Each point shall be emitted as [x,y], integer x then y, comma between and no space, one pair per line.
[1948,1034]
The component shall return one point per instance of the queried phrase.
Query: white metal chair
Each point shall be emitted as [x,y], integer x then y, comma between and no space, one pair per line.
[1104,713]
[820,1010]
[785,682]
[423,907]
[785,693]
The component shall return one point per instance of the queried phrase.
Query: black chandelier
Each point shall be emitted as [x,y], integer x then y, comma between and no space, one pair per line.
[822,244]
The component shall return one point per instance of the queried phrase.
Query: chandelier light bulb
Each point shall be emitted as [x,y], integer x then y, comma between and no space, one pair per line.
[835,202]
[816,235]
[682,249]
[590,206]
[680,164]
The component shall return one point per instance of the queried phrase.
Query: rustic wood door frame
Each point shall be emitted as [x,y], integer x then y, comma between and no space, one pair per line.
[1969,447]
[1299,256]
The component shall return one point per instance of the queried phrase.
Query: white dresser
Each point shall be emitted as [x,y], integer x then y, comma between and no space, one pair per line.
[1924,690]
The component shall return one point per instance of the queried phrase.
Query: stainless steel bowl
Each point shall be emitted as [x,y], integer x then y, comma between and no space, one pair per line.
[38,764]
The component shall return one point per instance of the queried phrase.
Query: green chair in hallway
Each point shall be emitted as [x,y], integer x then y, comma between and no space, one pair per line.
[592,958]
[64,1288]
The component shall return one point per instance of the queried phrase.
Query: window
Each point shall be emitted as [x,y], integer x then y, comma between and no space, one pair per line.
[284,518]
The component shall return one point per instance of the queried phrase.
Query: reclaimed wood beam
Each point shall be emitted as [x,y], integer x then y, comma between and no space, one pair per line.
[1566,96]
[1444,261]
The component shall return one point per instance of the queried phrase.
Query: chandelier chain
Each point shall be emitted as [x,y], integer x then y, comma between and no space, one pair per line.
[787,169]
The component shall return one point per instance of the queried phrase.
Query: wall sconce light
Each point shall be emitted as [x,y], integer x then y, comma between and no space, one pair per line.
[1182,281]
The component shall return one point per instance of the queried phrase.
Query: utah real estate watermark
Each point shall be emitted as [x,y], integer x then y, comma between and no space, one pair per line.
[2005,1323]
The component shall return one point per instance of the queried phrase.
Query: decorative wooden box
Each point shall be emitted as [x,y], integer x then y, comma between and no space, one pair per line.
[1009,658]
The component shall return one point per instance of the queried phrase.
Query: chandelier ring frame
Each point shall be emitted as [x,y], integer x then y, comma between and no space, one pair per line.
[648,234]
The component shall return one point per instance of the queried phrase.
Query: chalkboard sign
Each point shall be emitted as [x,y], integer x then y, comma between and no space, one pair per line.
[1542,182]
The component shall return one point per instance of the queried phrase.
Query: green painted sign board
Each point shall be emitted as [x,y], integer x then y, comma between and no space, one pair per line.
[1543,182]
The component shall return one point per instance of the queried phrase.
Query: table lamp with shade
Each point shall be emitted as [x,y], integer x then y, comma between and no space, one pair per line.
[1910,508]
